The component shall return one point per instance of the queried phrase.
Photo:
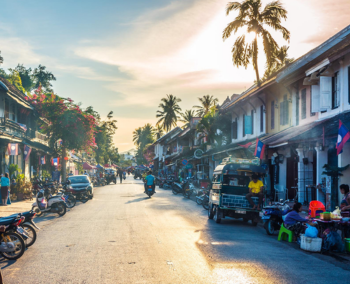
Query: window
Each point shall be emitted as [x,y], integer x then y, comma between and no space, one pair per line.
[13,110]
[311,113]
[303,103]
[234,129]
[252,115]
[261,118]
[243,125]
[284,111]
[273,115]
[335,90]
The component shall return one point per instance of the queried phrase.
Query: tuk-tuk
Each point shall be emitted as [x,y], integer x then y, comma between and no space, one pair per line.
[229,189]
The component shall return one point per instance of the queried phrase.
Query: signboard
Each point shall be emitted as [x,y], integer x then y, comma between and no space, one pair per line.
[189,166]
[184,162]
[198,153]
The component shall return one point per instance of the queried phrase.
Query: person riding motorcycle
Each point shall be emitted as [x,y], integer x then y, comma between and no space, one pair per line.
[150,180]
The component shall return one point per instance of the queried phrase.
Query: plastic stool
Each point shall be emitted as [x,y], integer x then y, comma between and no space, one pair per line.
[284,233]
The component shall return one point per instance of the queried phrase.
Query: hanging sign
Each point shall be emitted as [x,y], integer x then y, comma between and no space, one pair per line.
[189,166]
[184,162]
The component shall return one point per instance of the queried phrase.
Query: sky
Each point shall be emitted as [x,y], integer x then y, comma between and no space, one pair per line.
[124,56]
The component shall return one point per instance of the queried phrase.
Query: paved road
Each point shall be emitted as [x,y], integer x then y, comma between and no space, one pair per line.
[123,237]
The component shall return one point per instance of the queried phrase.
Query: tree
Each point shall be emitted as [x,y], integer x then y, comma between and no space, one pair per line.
[1,59]
[15,79]
[26,77]
[186,117]
[251,16]
[137,133]
[43,78]
[158,132]
[64,121]
[143,137]
[169,113]
[280,59]
[207,102]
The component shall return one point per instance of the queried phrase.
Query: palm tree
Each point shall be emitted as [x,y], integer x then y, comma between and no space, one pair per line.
[255,19]
[137,136]
[147,135]
[158,132]
[186,117]
[169,113]
[280,60]
[207,102]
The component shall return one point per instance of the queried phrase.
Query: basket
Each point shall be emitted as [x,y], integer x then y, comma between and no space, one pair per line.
[315,208]
[310,244]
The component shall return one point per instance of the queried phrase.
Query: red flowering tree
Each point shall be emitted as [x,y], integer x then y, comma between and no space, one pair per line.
[64,121]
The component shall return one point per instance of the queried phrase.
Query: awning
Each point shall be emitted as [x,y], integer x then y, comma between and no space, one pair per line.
[86,166]
[20,101]
[99,166]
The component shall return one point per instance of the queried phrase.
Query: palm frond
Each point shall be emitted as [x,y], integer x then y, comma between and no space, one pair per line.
[231,6]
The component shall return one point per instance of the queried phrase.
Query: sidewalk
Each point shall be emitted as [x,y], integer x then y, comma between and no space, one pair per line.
[16,207]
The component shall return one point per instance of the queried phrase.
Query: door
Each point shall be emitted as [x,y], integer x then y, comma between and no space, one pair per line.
[292,176]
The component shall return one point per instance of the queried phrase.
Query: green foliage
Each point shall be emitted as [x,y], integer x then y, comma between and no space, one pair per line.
[207,103]
[158,132]
[43,78]
[26,77]
[186,117]
[15,79]
[105,150]
[215,127]
[12,169]
[142,137]
[169,113]
[46,174]
[255,19]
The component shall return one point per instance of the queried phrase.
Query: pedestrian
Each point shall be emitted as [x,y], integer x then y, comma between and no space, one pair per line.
[5,184]
[120,173]
[255,189]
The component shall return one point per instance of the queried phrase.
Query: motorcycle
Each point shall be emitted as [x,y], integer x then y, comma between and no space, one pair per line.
[203,199]
[189,188]
[168,183]
[69,198]
[46,203]
[12,245]
[272,216]
[137,175]
[149,190]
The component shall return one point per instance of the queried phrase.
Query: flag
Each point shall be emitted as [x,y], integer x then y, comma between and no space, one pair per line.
[12,149]
[27,151]
[23,126]
[246,145]
[55,161]
[343,136]
[259,149]
[42,160]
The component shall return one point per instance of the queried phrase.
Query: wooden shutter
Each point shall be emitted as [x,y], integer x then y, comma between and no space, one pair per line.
[273,115]
[303,104]
[247,124]
[325,92]
[261,118]
[315,98]
[281,113]
[234,129]
[252,115]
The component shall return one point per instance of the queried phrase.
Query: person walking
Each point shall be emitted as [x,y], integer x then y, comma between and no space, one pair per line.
[120,173]
[5,184]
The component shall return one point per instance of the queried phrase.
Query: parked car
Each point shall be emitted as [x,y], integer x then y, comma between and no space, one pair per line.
[82,182]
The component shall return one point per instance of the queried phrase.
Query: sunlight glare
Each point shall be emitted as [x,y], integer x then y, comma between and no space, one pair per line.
[249,37]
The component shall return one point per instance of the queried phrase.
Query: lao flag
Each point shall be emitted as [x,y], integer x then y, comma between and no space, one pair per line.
[259,149]
[42,160]
[12,149]
[55,161]
[343,136]
[246,145]
[27,151]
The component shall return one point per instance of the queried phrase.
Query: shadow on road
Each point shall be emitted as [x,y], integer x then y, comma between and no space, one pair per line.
[137,200]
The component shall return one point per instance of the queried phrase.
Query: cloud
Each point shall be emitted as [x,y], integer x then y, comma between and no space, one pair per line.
[175,49]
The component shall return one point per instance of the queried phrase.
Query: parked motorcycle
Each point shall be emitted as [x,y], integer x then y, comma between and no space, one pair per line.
[168,183]
[46,203]
[189,188]
[69,198]
[272,216]
[178,187]
[203,199]
[12,245]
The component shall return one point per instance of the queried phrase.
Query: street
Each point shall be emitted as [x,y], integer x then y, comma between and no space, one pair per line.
[121,236]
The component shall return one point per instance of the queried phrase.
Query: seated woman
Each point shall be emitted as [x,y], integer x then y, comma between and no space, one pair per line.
[345,203]
[294,222]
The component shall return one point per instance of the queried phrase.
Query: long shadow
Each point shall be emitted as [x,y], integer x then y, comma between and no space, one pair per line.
[6,261]
[137,200]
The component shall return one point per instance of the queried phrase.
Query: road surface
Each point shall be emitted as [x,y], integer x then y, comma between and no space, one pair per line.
[121,236]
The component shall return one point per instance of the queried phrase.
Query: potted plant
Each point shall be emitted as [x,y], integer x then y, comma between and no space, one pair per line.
[19,186]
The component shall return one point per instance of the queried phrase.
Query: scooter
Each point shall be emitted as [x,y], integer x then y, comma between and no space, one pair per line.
[149,190]
[46,203]
[272,216]
[178,187]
